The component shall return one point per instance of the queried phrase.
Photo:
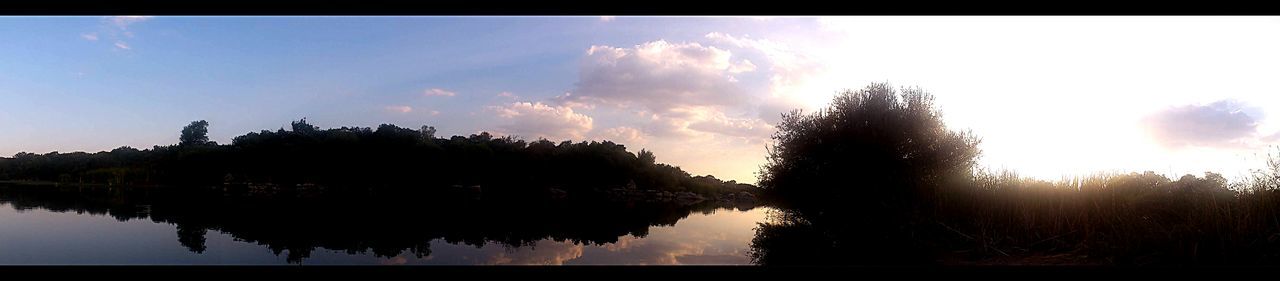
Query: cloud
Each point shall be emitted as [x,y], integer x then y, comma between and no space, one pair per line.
[783,59]
[508,95]
[1223,123]
[707,122]
[568,99]
[547,253]
[398,260]
[624,135]
[434,113]
[123,22]
[790,71]
[607,18]
[438,92]
[659,76]
[750,128]
[663,248]
[540,120]
[698,105]
[399,108]
[116,30]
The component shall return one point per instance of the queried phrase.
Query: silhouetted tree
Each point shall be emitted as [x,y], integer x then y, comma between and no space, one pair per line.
[646,157]
[302,127]
[428,133]
[197,133]
[874,143]
[865,171]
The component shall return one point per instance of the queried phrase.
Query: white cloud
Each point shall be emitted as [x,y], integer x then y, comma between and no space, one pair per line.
[568,99]
[438,92]
[793,75]
[624,135]
[116,30]
[123,22]
[659,76]
[538,120]
[399,108]
[1223,124]
[508,95]
[749,128]
[607,18]
[434,113]
[681,100]
[745,66]
[707,122]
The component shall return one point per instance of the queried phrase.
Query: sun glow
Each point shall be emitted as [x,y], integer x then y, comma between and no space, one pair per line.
[1062,96]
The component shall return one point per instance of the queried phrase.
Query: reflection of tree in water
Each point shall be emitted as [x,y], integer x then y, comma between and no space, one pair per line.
[788,239]
[192,237]
[823,237]
[386,226]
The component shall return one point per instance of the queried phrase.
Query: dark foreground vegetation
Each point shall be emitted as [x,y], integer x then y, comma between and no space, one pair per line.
[389,160]
[877,179]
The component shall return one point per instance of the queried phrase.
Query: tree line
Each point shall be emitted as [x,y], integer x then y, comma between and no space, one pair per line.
[385,158]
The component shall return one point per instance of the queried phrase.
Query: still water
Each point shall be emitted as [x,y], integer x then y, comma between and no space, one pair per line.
[73,232]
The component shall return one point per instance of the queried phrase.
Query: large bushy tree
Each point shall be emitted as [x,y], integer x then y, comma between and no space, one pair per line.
[875,143]
[859,179]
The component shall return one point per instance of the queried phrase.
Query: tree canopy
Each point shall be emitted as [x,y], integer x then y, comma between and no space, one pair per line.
[388,157]
[194,134]
[876,143]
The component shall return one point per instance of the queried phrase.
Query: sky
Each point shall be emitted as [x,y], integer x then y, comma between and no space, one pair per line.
[1049,96]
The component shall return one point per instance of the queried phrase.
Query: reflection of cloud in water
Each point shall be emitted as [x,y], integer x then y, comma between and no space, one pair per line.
[545,252]
[722,237]
[395,261]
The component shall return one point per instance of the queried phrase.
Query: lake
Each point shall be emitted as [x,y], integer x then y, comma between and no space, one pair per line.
[112,228]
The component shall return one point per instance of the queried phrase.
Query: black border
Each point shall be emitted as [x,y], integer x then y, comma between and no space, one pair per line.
[659,273]
[628,8]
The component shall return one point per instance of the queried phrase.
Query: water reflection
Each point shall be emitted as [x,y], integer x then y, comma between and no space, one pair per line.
[69,225]
[821,236]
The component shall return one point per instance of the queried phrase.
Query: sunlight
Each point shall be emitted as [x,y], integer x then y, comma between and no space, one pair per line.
[506,134]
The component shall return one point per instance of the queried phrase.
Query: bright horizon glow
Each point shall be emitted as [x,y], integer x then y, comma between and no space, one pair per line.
[1050,96]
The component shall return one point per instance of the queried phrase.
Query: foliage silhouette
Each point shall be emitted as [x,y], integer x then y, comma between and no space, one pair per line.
[874,142]
[197,133]
[868,167]
[388,159]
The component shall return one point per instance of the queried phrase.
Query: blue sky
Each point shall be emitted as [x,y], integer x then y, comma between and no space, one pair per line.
[95,83]
[702,92]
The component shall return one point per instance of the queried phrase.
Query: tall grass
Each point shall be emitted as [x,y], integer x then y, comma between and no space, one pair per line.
[1115,218]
